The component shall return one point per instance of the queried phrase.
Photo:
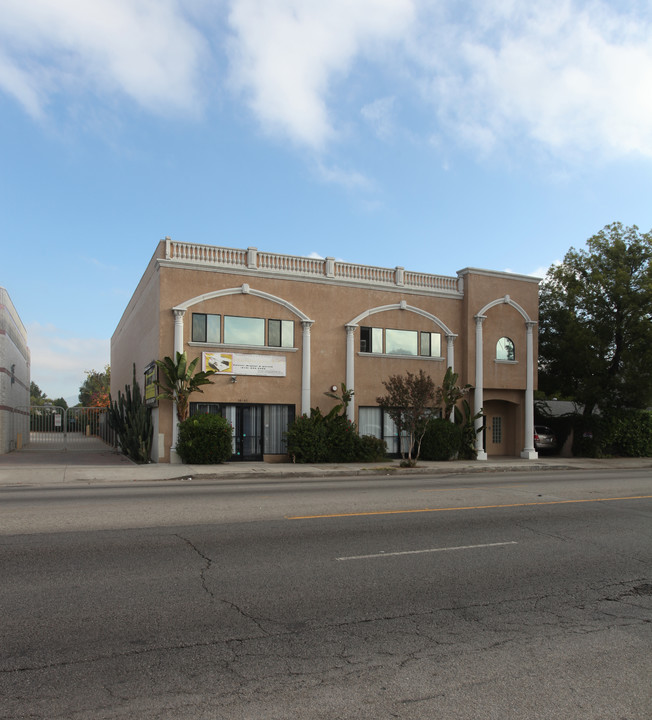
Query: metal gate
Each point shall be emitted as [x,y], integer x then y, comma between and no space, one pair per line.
[78,428]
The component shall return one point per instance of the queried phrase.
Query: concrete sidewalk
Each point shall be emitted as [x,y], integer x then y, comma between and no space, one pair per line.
[39,468]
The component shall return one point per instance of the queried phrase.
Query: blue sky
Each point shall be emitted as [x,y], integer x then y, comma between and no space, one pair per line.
[431,134]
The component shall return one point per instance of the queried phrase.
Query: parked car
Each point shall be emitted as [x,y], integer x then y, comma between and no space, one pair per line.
[544,438]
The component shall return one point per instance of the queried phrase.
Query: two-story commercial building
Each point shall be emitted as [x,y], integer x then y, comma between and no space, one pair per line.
[280,331]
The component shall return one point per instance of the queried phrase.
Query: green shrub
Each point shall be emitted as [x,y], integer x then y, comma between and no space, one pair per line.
[341,440]
[306,439]
[330,439]
[628,433]
[625,433]
[205,440]
[370,448]
[442,440]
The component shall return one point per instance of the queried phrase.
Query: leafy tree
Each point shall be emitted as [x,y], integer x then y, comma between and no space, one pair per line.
[60,402]
[37,396]
[180,380]
[409,402]
[596,322]
[94,392]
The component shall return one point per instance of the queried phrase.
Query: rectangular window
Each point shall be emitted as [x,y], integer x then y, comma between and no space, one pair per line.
[401,342]
[430,344]
[205,328]
[377,422]
[425,344]
[244,330]
[277,419]
[280,333]
[371,340]
[370,421]
[390,435]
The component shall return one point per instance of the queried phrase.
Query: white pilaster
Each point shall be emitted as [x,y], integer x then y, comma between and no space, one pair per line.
[529,453]
[178,347]
[450,362]
[305,368]
[350,369]
[479,388]
[178,331]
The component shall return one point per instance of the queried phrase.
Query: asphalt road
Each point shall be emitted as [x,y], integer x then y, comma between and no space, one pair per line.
[500,596]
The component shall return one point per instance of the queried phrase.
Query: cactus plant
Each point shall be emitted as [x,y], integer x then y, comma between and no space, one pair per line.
[131,420]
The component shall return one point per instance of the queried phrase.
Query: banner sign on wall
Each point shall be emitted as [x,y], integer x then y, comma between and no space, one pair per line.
[151,390]
[244,364]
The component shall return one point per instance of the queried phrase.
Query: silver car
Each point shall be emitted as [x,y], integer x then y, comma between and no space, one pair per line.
[544,438]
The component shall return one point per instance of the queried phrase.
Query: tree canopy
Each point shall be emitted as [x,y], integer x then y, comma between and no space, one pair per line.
[409,401]
[94,392]
[37,396]
[595,322]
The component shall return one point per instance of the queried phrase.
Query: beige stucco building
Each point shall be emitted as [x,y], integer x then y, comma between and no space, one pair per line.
[282,330]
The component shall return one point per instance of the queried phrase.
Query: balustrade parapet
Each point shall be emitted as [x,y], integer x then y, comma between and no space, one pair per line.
[252,260]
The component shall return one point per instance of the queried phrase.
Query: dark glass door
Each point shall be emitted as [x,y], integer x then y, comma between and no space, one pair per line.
[249,432]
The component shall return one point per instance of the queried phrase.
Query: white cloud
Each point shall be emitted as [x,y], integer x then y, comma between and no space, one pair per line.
[287,54]
[144,49]
[351,179]
[59,363]
[573,77]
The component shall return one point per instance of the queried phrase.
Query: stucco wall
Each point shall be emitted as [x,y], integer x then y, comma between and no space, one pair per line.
[136,339]
[14,377]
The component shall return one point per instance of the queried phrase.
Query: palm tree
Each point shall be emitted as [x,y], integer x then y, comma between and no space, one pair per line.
[180,380]
[450,392]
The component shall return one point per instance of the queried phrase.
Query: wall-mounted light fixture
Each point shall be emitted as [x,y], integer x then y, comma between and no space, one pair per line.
[234,378]
[333,388]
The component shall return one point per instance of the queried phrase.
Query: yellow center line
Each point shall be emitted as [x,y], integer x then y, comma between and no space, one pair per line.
[469,507]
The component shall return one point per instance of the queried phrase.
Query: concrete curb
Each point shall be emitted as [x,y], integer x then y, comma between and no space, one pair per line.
[49,473]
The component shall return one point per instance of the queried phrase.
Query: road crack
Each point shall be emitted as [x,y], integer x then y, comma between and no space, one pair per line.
[209,563]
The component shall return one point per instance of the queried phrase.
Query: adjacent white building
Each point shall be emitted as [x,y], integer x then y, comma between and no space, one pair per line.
[14,377]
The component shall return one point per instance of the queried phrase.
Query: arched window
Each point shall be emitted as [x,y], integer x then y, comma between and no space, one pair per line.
[505,350]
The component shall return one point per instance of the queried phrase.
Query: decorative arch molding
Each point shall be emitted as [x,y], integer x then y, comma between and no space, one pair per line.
[180,311]
[506,300]
[528,452]
[244,289]
[402,305]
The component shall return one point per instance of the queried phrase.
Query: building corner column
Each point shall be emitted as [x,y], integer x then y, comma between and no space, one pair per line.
[305,368]
[350,369]
[529,453]
[178,348]
[450,362]
[479,389]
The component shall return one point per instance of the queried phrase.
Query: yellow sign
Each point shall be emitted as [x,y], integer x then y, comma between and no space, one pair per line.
[151,377]
[244,364]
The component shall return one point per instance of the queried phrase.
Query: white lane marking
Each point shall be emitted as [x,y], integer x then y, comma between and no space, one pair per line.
[429,550]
